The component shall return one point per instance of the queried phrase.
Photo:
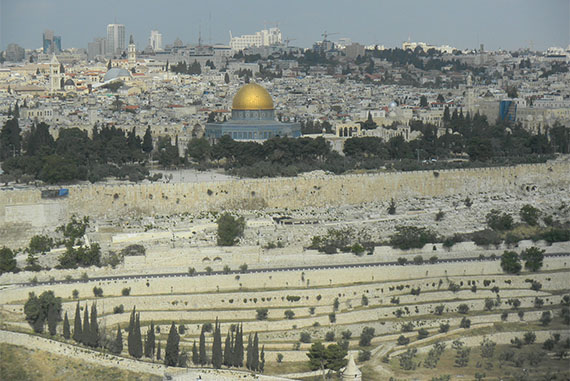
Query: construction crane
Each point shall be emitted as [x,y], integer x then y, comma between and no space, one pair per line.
[325,34]
[288,40]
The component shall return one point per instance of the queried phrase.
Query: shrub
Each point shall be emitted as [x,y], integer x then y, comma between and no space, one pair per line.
[418,260]
[364,300]
[312,310]
[415,291]
[293,298]
[409,237]
[75,294]
[546,318]
[504,316]
[279,358]
[261,313]
[392,207]
[422,333]
[403,340]
[305,337]
[133,250]
[529,338]
[529,214]
[439,215]
[119,309]
[454,287]
[329,336]
[209,270]
[533,258]
[332,317]
[439,309]
[538,302]
[402,261]
[465,323]
[366,336]
[126,291]
[510,262]
[363,355]
[486,238]
[346,335]
[227,269]
[97,291]
[463,308]
[468,202]
[499,221]
[289,314]
[243,267]
[230,229]
[536,285]
[433,259]
[408,327]
[443,327]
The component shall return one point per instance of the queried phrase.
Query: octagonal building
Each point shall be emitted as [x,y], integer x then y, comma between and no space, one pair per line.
[253,118]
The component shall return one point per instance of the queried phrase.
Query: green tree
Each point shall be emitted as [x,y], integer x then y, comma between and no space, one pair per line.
[66,328]
[249,350]
[366,336]
[533,257]
[510,262]
[195,356]
[52,319]
[37,309]
[229,229]
[487,348]
[202,350]
[423,101]
[499,221]
[77,331]
[238,347]
[172,347]
[217,355]
[331,357]
[228,350]
[226,78]
[262,359]
[199,149]
[117,346]
[147,141]
[86,333]
[94,336]
[529,214]
[137,350]
[408,237]
[7,261]
[255,354]
[150,341]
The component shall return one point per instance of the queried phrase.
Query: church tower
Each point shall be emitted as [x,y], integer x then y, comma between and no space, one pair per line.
[132,52]
[54,75]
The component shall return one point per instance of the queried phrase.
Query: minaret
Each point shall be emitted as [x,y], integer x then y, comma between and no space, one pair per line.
[54,75]
[470,95]
[132,52]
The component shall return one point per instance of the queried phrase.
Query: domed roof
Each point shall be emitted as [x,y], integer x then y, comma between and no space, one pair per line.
[116,72]
[252,97]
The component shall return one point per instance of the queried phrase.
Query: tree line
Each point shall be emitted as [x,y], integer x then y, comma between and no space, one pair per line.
[46,310]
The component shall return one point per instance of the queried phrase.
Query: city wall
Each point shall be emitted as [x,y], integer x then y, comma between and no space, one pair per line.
[27,208]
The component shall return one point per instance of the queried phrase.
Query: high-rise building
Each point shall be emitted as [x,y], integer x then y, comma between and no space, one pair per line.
[116,39]
[266,37]
[96,48]
[155,40]
[51,43]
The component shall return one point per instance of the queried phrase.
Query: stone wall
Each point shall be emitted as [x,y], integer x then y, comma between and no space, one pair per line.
[110,201]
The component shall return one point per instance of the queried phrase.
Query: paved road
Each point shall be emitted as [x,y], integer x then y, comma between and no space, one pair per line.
[269,270]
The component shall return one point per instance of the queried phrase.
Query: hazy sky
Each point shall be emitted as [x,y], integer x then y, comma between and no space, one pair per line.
[506,24]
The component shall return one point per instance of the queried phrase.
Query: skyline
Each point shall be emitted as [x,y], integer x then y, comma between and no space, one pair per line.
[462,25]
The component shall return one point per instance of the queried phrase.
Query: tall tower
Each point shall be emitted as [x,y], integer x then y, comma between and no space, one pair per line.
[54,75]
[116,38]
[132,52]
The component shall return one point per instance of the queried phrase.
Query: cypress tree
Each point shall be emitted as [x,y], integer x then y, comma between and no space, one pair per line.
[195,357]
[255,354]
[228,360]
[131,336]
[217,347]
[249,360]
[150,342]
[202,350]
[94,342]
[262,359]
[77,325]
[117,345]
[158,351]
[172,347]
[137,350]
[86,336]
[52,319]
[66,330]
[238,347]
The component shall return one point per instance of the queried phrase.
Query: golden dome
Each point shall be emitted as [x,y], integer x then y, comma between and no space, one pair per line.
[252,97]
